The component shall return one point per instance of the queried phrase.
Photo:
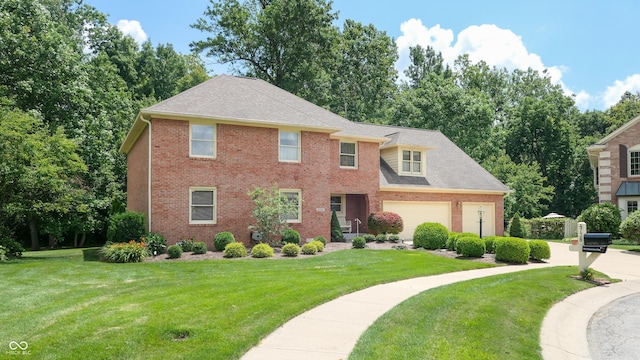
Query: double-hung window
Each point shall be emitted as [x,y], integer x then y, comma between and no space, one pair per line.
[289,146]
[412,162]
[348,155]
[202,205]
[203,140]
[634,163]
[294,197]
[632,205]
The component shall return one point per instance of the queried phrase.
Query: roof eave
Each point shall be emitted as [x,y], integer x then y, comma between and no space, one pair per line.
[444,190]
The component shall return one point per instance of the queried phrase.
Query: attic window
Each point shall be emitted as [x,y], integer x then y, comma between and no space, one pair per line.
[412,162]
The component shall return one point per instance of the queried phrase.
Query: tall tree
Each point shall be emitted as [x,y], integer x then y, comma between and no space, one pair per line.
[624,110]
[425,61]
[280,41]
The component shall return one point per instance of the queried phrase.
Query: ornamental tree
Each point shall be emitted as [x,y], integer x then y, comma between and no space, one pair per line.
[385,222]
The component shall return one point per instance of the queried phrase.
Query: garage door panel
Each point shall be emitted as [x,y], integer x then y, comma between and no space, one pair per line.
[414,213]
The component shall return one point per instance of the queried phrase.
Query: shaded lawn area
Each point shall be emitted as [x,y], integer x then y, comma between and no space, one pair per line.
[497,317]
[65,307]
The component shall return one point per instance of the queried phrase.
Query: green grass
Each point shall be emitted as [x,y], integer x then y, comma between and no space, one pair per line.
[498,317]
[65,307]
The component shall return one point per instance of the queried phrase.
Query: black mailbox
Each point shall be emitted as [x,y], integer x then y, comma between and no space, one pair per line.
[597,239]
[596,242]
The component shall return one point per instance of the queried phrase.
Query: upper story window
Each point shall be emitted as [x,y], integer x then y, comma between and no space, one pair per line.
[203,140]
[294,196]
[348,155]
[202,205]
[289,146]
[412,162]
[634,162]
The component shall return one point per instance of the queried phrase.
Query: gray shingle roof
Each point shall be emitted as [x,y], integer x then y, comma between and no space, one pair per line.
[258,103]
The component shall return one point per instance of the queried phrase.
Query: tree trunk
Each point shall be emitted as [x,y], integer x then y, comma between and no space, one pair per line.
[75,240]
[33,229]
[52,241]
[84,236]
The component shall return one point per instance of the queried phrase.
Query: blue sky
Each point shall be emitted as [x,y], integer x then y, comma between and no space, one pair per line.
[590,47]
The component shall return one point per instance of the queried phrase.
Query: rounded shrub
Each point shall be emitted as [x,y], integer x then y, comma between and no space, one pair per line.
[394,238]
[186,244]
[515,228]
[369,237]
[385,222]
[451,241]
[490,244]
[470,246]
[125,226]
[262,251]
[319,245]
[174,251]
[322,239]
[199,248]
[381,238]
[234,250]
[602,218]
[430,236]
[291,249]
[309,249]
[358,242]
[630,227]
[512,250]
[290,236]
[222,239]
[539,249]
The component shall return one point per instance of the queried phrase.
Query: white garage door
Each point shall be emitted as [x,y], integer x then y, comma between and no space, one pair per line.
[414,213]
[471,219]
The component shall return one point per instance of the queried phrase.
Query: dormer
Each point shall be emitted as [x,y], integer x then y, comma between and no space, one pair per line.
[405,156]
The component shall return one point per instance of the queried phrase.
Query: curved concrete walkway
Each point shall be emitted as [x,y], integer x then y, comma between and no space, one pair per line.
[330,331]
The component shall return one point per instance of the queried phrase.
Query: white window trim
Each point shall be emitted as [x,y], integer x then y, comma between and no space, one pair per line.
[632,149]
[355,155]
[299,147]
[215,205]
[343,200]
[411,162]
[215,140]
[299,192]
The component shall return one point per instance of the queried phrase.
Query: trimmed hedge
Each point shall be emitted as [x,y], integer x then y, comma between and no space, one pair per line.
[630,227]
[369,237]
[451,241]
[222,239]
[512,250]
[318,244]
[539,249]
[309,249]
[470,246]
[174,251]
[290,236]
[385,222]
[394,238]
[381,238]
[430,236]
[126,226]
[490,244]
[358,242]
[604,217]
[234,250]
[322,239]
[262,251]
[199,248]
[291,249]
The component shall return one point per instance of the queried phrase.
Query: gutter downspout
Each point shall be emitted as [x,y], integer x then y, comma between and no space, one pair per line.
[149,177]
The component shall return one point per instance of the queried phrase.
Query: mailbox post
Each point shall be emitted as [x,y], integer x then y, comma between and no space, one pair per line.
[592,244]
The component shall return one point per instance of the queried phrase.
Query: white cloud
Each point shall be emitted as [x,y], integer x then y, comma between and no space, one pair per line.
[133,29]
[583,100]
[613,93]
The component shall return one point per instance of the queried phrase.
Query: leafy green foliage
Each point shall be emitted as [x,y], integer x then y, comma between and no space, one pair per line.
[322,239]
[430,236]
[221,239]
[309,249]
[451,241]
[546,228]
[470,246]
[174,251]
[270,208]
[155,243]
[3,254]
[336,230]
[358,242]
[385,222]
[291,249]
[394,238]
[235,250]
[515,228]
[11,248]
[199,247]
[262,251]
[512,250]
[126,226]
[490,243]
[319,245]
[290,236]
[604,218]
[186,244]
[381,238]
[540,250]
[587,274]
[630,227]
[123,252]
[369,237]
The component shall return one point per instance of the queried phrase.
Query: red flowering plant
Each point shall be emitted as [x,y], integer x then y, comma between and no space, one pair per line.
[385,222]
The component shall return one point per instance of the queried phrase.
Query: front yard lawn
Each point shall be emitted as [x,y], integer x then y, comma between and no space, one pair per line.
[64,307]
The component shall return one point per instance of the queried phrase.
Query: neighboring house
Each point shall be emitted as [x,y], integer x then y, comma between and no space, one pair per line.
[615,161]
[193,158]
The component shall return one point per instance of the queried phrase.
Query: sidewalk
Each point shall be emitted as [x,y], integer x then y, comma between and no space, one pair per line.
[331,330]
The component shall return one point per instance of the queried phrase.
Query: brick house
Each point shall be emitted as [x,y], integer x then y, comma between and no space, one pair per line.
[192,159]
[615,161]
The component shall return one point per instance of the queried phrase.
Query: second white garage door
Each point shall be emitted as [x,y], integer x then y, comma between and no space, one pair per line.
[414,213]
